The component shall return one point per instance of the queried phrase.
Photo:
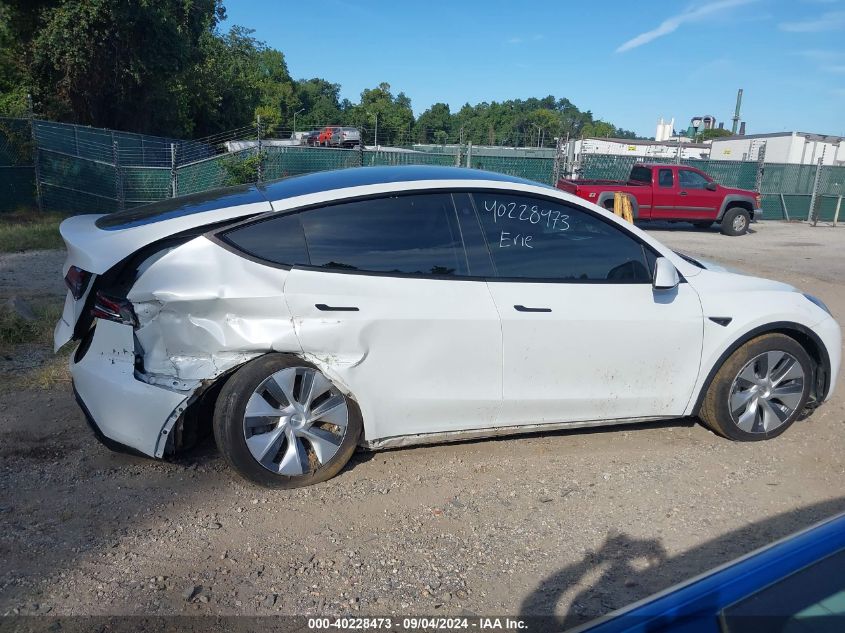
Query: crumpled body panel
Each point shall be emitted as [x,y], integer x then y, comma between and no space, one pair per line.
[203,310]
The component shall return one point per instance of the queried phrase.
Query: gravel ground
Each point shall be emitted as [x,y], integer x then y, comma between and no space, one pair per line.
[572,524]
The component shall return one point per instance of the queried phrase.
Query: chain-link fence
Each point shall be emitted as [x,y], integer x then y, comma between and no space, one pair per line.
[17,171]
[71,169]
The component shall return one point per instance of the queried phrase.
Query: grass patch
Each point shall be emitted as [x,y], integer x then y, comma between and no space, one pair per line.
[53,372]
[15,330]
[30,231]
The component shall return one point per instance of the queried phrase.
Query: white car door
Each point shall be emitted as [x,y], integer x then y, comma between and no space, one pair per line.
[585,336]
[383,308]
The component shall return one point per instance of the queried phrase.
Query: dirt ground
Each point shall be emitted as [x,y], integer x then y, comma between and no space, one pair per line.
[572,524]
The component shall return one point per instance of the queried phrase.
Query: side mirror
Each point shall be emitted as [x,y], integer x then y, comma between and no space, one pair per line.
[711,186]
[665,274]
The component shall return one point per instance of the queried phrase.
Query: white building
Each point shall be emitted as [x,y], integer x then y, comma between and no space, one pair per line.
[658,150]
[798,148]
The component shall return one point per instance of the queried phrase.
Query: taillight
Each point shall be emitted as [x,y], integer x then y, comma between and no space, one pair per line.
[76,281]
[113,309]
[759,200]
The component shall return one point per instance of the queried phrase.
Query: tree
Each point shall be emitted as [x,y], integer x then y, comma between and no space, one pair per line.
[716,132]
[115,64]
[434,125]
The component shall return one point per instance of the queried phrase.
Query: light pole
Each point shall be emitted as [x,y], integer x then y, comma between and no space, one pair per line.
[294,120]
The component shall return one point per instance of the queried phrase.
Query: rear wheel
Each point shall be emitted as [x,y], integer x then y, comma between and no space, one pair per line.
[281,423]
[735,221]
[760,390]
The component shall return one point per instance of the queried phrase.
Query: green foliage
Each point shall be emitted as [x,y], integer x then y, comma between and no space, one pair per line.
[716,132]
[165,67]
[242,170]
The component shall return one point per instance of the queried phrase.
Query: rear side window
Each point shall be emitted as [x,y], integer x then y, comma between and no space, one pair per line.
[665,178]
[279,240]
[533,238]
[412,234]
[641,174]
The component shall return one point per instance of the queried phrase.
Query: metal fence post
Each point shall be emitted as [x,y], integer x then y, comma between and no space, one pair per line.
[783,206]
[258,173]
[36,164]
[761,168]
[469,154]
[836,213]
[360,147]
[174,175]
[812,216]
[118,177]
[556,168]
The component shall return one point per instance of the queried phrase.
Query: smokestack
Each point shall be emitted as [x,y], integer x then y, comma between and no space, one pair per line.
[742,129]
[736,112]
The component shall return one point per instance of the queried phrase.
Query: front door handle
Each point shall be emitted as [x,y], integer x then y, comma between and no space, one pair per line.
[322,307]
[522,308]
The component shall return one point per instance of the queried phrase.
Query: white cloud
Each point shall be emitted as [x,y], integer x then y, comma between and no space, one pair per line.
[830,21]
[671,24]
[515,40]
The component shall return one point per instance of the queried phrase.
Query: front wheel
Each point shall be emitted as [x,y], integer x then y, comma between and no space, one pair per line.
[760,390]
[735,221]
[281,423]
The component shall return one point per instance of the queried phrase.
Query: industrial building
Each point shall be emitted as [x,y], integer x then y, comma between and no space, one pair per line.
[798,148]
[663,150]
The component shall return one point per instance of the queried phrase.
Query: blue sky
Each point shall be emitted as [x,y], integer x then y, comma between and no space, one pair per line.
[628,62]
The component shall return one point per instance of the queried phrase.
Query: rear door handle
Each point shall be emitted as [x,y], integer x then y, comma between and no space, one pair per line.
[322,307]
[522,308]
[683,193]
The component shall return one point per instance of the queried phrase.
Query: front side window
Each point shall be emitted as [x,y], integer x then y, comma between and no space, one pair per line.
[691,179]
[533,238]
[412,234]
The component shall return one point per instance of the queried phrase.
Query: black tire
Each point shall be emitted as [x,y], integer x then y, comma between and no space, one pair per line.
[735,221]
[608,204]
[229,426]
[715,409]
[703,225]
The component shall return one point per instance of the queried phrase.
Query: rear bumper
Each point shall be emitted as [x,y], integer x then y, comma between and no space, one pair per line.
[757,214]
[120,408]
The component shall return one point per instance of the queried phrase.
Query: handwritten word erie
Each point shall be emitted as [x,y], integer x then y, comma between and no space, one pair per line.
[533,214]
[506,241]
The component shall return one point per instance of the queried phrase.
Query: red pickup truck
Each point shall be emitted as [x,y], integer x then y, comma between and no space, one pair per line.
[676,193]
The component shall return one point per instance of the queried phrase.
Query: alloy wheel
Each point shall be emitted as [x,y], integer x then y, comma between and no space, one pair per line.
[739,222]
[766,392]
[295,421]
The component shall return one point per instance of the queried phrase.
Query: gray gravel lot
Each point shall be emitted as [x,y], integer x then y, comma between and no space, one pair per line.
[567,523]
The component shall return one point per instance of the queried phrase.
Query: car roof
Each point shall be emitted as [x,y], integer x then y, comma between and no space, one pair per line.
[293,187]
[364,176]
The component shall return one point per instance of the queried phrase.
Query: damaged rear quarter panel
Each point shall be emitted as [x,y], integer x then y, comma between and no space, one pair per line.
[203,310]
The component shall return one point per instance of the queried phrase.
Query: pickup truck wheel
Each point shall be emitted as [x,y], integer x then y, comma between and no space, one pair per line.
[735,221]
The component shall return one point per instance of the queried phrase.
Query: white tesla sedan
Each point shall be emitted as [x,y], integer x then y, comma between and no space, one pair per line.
[403,305]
